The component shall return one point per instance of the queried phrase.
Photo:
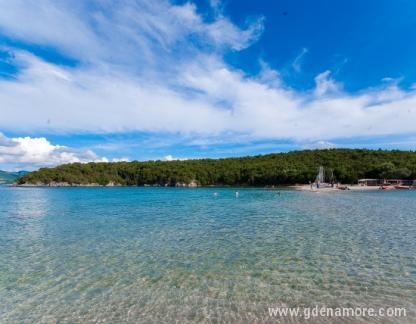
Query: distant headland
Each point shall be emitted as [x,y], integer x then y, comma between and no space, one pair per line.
[281,169]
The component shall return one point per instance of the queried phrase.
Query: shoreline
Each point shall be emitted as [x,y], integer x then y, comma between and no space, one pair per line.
[302,187]
[355,187]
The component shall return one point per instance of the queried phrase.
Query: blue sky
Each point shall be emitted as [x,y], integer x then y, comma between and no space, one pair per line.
[138,80]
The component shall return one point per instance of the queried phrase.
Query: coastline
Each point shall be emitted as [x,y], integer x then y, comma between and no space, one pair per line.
[301,187]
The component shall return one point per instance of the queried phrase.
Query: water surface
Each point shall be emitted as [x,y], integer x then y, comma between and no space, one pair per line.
[166,255]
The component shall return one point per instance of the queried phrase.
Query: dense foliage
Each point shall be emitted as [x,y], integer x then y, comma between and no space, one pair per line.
[347,166]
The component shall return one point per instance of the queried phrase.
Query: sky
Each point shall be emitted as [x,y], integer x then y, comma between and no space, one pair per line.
[103,80]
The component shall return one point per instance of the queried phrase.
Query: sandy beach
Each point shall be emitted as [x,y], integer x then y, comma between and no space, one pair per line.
[307,187]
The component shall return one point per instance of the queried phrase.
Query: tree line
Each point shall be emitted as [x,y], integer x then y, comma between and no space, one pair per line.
[296,167]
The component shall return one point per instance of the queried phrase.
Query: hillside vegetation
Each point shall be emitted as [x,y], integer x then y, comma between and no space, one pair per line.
[347,166]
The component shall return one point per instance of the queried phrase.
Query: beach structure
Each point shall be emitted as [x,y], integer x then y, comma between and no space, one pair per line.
[386,182]
[397,182]
[369,182]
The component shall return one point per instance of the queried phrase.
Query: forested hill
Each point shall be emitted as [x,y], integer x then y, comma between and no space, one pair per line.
[347,166]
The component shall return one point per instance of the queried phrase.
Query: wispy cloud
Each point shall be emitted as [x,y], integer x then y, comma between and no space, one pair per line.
[297,62]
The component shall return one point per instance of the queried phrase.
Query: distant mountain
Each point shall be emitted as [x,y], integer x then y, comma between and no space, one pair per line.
[10,177]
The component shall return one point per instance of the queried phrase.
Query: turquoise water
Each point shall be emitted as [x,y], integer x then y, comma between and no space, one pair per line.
[165,255]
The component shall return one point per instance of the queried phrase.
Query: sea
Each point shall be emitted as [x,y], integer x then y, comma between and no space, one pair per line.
[204,255]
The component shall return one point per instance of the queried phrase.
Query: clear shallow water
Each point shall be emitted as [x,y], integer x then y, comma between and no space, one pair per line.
[151,255]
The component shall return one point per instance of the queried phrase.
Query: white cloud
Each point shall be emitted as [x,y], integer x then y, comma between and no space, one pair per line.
[217,101]
[138,35]
[172,158]
[123,159]
[325,85]
[38,152]
[320,145]
[149,66]
[169,158]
